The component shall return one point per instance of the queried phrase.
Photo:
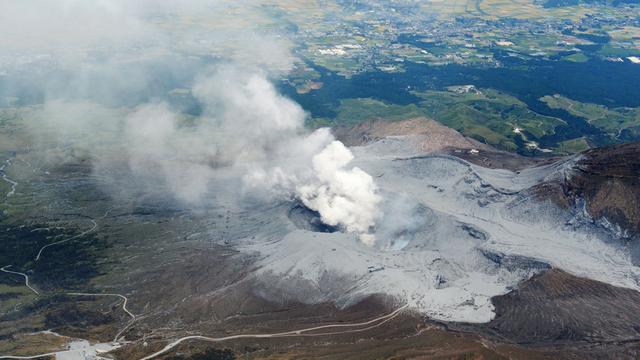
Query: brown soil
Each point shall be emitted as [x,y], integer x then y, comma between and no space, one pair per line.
[609,180]
[430,135]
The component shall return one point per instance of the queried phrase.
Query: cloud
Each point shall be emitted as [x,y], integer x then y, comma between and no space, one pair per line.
[247,112]
[343,197]
[269,141]
[113,78]
[158,147]
[123,53]
[68,25]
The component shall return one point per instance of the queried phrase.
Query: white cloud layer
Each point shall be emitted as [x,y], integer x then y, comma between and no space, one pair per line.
[246,127]
[343,197]
[107,70]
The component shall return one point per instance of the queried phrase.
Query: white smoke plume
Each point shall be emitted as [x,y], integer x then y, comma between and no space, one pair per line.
[270,143]
[106,74]
[343,197]
[249,126]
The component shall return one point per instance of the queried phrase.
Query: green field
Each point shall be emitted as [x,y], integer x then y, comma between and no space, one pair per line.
[577,57]
[612,121]
[485,114]
[573,146]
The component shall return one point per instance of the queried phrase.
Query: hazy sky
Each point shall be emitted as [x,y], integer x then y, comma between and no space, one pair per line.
[112,79]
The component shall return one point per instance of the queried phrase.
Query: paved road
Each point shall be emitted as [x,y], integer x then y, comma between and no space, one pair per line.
[95,225]
[5,178]
[26,278]
[376,322]
[124,307]
[28,357]
[382,319]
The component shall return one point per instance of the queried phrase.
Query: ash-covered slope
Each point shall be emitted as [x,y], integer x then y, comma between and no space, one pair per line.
[558,307]
[607,182]
[424,134]
[452,235]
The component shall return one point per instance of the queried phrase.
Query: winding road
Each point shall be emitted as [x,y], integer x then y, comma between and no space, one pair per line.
[5,178]
[115,339]
[95,225]
[379,320]
[301,332]
[39,256]
[28,357]
[124,307]
[26,278]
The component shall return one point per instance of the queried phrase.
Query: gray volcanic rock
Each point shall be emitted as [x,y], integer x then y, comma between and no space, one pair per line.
[604,186]
[423,135]
[426,135]
[555,307]
[609,181]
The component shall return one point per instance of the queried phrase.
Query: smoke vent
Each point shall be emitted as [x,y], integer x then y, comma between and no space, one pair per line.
[304,218]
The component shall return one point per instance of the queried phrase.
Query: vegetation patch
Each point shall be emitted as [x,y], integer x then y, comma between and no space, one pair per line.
[209,354]
[616,122]
[573,146]
[487,115]
[68,265]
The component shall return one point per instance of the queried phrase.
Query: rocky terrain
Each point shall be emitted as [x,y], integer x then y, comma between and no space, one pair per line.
[494,261]
[608,179]
[555,307]
[425,134]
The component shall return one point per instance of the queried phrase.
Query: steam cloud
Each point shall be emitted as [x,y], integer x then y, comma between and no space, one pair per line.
[246,127]
[280,158]
[342,197]
[250,127]
[103,103]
